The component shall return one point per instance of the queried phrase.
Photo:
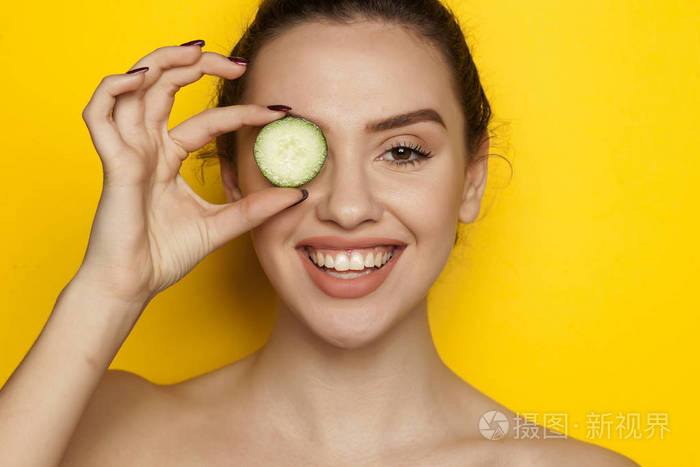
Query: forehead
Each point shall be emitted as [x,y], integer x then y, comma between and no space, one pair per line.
[350,74]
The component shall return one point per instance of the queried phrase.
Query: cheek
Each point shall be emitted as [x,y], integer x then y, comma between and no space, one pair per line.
[273,254]
[429,205]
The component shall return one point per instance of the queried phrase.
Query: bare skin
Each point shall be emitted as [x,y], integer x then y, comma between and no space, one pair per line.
[340,382]
[213,420]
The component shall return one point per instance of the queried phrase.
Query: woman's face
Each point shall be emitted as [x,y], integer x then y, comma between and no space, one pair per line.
[345,78]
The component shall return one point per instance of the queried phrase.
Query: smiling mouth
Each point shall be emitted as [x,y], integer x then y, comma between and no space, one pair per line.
[345,266]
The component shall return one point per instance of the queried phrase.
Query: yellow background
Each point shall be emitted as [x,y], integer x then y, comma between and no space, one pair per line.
[576,292]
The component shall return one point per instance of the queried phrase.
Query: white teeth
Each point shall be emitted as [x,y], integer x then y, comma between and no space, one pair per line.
[348,275]
[341,263]
[356,262]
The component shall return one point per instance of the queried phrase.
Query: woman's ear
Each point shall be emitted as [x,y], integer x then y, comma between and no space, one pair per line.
[230,181]
[474,184]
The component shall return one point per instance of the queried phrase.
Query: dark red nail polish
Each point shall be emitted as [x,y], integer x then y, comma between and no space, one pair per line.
[283,108]
[198,42]
[305,194]
[238,60]
[138,70]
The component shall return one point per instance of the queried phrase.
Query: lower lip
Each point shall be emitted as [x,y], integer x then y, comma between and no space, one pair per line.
[348,288]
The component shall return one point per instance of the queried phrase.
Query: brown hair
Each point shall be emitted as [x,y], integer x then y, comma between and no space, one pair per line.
[428,18]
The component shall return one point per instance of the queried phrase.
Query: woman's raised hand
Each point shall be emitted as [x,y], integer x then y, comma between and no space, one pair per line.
[151,228]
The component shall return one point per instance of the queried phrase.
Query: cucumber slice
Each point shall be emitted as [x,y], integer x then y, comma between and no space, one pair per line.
[290,151]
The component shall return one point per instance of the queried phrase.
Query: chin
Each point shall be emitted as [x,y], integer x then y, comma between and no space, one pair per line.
[349,326]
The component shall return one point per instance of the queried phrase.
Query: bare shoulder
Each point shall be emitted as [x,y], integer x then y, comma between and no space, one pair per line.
[132,421]
[488,438]
[566,451]
[543,452]
[116,419]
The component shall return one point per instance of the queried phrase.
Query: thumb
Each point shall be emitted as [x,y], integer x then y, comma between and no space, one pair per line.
[233,219]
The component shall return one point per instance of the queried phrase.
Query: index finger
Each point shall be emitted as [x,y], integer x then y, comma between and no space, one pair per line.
[195,132]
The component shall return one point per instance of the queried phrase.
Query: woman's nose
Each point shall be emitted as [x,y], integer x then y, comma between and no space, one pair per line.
[348,196]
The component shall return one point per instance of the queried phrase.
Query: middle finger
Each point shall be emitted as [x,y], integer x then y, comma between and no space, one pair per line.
[128,111]
[160,97]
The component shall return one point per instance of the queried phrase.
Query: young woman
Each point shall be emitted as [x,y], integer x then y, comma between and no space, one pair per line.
[350,375]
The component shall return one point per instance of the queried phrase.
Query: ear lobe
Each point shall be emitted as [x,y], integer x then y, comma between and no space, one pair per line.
[230,181]
[474,184]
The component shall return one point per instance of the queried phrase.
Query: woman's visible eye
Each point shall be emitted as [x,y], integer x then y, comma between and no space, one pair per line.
[402,153]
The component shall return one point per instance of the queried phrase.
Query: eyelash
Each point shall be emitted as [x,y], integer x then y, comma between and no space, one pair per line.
[417,149]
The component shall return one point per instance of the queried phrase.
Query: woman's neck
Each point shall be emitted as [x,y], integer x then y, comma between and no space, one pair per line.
[391,390]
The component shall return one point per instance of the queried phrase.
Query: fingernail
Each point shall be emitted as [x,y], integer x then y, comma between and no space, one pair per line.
[138,70]
[238,60]
[198,42]
[304,193]
[284,108]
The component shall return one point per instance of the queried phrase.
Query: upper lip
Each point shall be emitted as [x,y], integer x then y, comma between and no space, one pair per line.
[342,242]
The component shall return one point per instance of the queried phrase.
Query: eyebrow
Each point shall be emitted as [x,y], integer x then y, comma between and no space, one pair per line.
[396,121]
[405,119]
